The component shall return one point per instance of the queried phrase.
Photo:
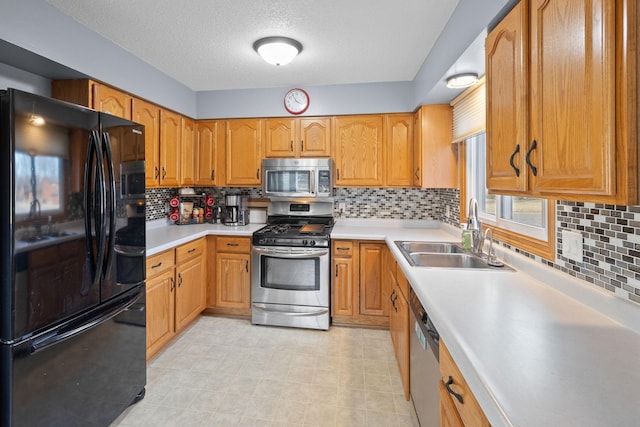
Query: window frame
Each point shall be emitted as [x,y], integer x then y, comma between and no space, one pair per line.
[545,249]
[62,191]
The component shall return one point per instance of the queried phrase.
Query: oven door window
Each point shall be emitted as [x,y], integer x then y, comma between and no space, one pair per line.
[293,182]
[290,274]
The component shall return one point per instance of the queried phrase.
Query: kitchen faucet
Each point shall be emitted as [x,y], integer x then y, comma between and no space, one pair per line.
[475,226]
[492,260]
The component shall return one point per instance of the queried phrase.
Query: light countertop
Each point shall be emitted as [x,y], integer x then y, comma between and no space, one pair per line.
[536,346]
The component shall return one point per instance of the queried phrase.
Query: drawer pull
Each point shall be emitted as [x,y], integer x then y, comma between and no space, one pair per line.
[456,395]
[192,250]
[233,244]
[342,249]
[156,265]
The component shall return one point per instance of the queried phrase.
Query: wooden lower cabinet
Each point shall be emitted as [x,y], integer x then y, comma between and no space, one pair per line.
[176,292]
[230,283]
[453,412]
[398,316]
[359,291]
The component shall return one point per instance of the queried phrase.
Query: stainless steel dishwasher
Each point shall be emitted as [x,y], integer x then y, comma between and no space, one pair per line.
[424,368]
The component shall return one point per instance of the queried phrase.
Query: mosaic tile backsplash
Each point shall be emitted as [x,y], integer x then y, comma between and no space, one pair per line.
[611,248]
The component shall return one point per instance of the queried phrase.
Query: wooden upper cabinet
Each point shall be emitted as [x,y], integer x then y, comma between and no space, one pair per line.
[435,157]
[315,137]
[573,96]
[188,152]
[280,138]
[399,149]
[581,94]
[148,114]
[243,152]
[207,151]
[507,102]
[112,101]
[170,141]
[358,151]
[303,137]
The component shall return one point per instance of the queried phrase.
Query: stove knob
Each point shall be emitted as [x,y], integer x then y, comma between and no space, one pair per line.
[313,243]
[305,242]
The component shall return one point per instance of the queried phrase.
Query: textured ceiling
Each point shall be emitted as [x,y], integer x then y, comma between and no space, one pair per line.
[207,44]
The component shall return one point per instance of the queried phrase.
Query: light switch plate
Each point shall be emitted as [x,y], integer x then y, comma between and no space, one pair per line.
[572,245]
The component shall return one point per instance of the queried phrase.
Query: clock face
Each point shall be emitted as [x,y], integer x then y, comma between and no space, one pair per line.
[296,101]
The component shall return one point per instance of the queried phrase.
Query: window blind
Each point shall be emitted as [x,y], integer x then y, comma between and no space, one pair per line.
[469,112]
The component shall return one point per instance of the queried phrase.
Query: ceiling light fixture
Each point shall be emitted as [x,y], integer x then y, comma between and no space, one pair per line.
[277,50]
[463,80]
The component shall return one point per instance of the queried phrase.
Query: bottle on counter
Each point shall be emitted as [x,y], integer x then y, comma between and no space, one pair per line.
[467,238]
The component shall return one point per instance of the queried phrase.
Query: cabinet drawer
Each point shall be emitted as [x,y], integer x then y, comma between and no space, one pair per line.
[342,248]
[469,411]
[159,263]
[189,250]
[234,244]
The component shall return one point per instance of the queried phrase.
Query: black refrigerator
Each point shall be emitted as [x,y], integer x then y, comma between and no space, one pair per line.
[72,230]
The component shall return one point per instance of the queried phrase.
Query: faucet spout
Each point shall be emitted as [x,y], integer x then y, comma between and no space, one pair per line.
[474,224]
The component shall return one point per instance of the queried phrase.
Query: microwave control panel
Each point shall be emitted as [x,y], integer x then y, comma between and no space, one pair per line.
[324,181]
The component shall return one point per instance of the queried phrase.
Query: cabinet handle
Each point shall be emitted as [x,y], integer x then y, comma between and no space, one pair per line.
[246,266]
[258,173]
[179,279]
[164,172]
[213,175]
[391,296]
[302,145]
[336,270]
[173,284]
[517,150]
[456,395]
[291,146]
[417,173]
[534,169]
[192,250]
[156,265]
[233,244]
[157,172]
[337,173]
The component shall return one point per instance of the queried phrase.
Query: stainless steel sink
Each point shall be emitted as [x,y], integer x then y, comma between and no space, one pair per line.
[431,247]
[422,259]
[443,255]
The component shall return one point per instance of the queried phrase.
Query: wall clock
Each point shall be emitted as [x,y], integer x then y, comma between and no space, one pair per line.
[296,101]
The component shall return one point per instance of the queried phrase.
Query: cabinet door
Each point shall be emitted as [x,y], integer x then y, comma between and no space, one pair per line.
[401,345]
[190,291]
[573,96]
[373,292]
[449,416]
[280,138]
[315,137]
[507,102]
[243,152]
[187,152]
[232,280]
[148,115]
[160,311]
[170,139]
[343,287]
[358,151]
[435,157]
[207,172]
[399,149]
[112,101]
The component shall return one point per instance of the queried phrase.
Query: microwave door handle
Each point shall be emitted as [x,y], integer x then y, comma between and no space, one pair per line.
[313,181]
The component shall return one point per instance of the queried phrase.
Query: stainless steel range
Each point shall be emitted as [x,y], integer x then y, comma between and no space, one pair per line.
[290,264]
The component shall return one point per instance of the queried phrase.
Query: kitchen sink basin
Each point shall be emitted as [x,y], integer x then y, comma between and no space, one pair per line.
[430,247]
[443,255]
[422,259]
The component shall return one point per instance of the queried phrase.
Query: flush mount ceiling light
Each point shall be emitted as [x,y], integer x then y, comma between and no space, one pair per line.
[463,80]
[277,50]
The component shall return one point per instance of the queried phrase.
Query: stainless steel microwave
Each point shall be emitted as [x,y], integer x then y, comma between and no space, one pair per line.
[297,177]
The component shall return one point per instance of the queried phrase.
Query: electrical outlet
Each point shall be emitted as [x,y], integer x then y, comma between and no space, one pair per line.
[572,245]
[447,211]
[342,207]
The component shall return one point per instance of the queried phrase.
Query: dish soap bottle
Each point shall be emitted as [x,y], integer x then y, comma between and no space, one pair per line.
[467,238]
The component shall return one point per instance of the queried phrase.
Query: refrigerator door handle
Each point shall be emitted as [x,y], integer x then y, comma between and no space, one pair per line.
[93,197]
[84,324]
[110,188]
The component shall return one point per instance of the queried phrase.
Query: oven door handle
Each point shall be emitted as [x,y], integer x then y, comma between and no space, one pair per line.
[292,313]
[288,255]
